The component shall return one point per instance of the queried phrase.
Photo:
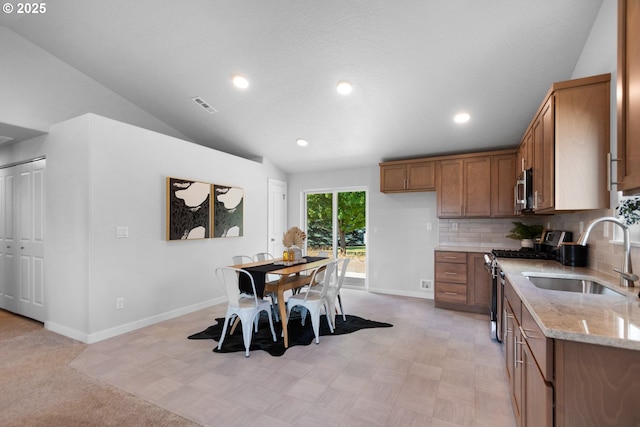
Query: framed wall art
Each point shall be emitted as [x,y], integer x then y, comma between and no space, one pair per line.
[228,208]
[188,209]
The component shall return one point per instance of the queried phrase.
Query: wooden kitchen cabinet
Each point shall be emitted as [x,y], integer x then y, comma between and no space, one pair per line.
[528,367]
[570,138]
[524,157]
[464,187]
[502,182]
[461,281]
[596,385]
[407,176]
[628,102]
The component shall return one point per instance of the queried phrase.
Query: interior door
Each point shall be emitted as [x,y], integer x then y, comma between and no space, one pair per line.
[277,216]
[8,276]
[23,239]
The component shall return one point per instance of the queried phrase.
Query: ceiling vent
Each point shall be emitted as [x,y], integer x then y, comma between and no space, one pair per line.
[4,139]
[204,104]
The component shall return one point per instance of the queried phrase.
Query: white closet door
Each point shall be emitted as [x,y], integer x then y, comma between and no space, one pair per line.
[9,275]
[23,282]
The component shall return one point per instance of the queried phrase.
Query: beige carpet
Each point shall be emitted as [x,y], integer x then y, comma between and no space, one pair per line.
[37,388]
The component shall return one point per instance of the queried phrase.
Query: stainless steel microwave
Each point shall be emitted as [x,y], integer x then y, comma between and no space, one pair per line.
[523,192]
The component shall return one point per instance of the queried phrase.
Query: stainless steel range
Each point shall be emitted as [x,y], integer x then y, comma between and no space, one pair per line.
[547,249]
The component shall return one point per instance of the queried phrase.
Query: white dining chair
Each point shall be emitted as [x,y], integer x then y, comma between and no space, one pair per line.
[263,256]
[313,301]
[242,259]
[245,307]
[333,292]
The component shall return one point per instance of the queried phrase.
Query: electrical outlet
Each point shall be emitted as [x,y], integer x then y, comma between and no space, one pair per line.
[119,303]
[426,284]
[429,226]
[454,226]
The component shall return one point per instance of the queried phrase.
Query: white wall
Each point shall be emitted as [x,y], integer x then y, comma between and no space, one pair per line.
[400,248]
[101,174]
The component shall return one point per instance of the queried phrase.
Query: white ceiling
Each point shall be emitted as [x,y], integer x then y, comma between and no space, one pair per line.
[413,65]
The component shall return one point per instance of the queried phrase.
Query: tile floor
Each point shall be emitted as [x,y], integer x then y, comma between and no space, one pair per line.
[434,367]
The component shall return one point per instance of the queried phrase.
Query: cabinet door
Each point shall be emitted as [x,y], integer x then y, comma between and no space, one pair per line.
[543,155]
[537,395]
[479,288]
[502,182]
[513,373]
[421,176]
[450,188]
[628,102]
[477,187]
[393,178]
[524,158]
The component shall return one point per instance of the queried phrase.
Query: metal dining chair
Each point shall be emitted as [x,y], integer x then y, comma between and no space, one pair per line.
[313,301]
[242,259]
[245,307]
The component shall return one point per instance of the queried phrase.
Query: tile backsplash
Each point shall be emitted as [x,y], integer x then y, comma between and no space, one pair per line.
[490,233]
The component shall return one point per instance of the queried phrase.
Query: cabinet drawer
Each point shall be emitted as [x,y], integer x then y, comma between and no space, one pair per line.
[449,292]
[514,300]
[457,257]
[541,346]
[450,272]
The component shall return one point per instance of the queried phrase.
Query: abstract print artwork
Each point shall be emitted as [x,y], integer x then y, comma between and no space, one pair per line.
[188,209]
[228,206]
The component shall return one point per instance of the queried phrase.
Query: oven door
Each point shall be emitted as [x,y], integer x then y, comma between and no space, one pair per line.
[492,267]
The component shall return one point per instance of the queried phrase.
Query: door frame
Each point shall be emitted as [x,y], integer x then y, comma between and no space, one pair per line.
[334,217]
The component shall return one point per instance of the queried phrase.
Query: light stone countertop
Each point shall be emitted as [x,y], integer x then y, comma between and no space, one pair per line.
[473,249]
[610,320]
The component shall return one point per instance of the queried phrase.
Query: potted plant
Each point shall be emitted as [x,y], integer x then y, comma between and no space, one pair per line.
[525,233]
[629,210]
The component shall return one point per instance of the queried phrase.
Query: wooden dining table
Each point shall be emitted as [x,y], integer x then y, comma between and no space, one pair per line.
[291,277]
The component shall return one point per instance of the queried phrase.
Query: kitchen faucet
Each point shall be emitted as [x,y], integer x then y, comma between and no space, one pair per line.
[626,275]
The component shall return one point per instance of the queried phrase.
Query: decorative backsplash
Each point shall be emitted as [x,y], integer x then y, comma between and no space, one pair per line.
[490,233]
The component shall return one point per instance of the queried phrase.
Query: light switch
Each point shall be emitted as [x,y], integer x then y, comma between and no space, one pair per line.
[122,232]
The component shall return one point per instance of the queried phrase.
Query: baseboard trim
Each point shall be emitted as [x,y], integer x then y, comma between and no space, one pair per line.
[122,329]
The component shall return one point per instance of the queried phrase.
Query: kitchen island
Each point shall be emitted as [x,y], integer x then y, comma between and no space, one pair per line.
[572,359]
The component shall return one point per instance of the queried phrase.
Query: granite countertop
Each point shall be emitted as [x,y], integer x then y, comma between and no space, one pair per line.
[464,249]
[610,320]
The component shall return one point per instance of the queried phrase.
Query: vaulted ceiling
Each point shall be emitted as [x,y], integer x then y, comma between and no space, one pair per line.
[413,64]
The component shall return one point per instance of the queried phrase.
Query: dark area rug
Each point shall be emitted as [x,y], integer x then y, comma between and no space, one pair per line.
[298,334]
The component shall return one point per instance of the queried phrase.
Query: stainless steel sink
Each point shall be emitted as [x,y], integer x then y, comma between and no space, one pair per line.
[584,286]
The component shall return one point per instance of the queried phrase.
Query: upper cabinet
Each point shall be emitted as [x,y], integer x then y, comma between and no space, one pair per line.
[468,185]
[628,100]
[478,186]
[407,176]
[568,141]
[464,187]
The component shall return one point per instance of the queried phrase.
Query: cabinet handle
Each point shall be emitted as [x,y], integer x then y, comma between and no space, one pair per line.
[451,257]
[448,273]
[517,343]
[450,293]
[515,352]
[535,200]
[526,336]
[610,181]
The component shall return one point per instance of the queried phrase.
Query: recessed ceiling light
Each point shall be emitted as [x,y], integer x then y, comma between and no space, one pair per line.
[240,82]
[344,88]
[302,142]
[461,118]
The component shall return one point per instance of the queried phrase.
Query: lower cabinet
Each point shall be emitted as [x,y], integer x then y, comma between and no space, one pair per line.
[529,378]
[560,383]
[462,283]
